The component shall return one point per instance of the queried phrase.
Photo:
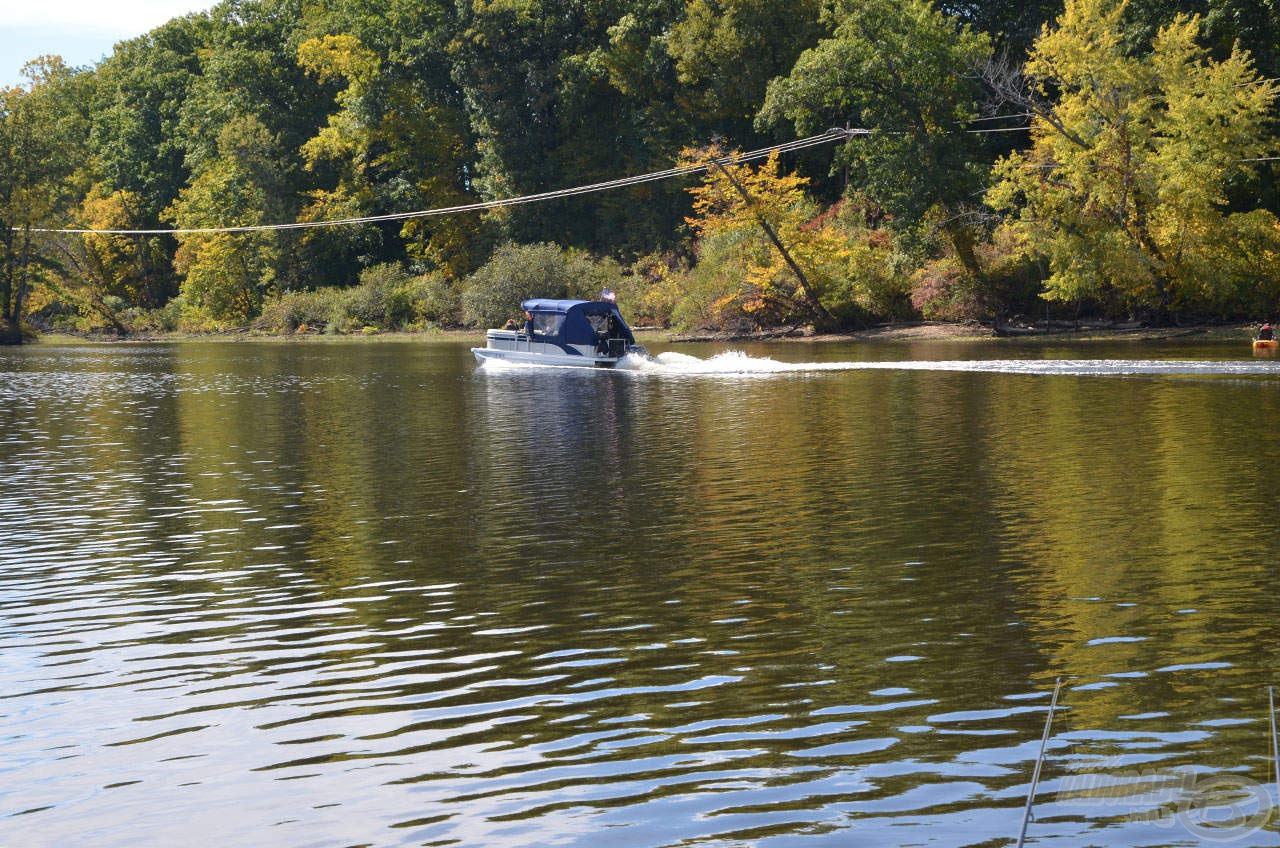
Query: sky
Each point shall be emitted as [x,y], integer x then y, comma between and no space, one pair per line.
[80,31]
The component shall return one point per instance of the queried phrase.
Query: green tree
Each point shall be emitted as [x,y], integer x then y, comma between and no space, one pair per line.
[518,272]
[1124,188]
[249,72]
[1253,25]
[43,135]
[560,93]
[905,71]
[727,51]
[1012,24]
[137,146]
[392,145]
[226,274]
[413,132]
[137,141]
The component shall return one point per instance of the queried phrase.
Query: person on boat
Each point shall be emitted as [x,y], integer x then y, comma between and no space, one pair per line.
[528,323]
[1265,333]
[511,324]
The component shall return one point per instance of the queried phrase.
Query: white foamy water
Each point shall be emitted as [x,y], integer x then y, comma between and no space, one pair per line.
[738,363]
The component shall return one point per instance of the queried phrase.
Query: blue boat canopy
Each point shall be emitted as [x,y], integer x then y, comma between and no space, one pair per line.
[577,322]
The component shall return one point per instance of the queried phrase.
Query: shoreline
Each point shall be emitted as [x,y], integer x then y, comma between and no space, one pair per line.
[953,332]
[907,331]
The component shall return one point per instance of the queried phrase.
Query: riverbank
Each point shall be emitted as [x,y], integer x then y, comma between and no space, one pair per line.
[929,330]
[907,331]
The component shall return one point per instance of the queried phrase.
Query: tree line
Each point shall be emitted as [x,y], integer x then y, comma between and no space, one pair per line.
[1038,158]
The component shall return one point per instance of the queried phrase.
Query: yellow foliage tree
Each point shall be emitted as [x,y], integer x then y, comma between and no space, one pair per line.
[734,216]
[1124,187]
[741,276]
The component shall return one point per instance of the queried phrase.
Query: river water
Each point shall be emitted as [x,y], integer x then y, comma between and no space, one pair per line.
[367,593]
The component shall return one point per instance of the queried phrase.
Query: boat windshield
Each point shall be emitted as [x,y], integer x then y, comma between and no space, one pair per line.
[547,323]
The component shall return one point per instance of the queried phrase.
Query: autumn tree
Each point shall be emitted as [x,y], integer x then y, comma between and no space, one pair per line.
[766,256]
[1124,188]
[95,272]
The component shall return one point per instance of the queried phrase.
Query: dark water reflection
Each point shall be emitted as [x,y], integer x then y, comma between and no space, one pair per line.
[364,594]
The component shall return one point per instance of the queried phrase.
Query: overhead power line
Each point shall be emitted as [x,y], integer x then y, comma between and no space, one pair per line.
[827,137]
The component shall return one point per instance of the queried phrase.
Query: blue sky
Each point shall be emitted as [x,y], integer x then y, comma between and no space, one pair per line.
[80,31]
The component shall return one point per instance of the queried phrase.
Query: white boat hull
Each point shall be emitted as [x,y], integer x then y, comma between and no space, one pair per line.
[486,354]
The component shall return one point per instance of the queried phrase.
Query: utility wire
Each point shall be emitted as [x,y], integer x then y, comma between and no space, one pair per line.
[834,134]
[787,147]
[1003,117]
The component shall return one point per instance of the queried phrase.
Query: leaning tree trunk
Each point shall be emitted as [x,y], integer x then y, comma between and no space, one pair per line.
[809,296]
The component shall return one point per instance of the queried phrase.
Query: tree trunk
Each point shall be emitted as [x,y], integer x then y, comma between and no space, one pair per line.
[7,282]
[962,240]
[11,330]
[810,298]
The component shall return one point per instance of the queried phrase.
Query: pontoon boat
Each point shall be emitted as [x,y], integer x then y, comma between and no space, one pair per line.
[585,333]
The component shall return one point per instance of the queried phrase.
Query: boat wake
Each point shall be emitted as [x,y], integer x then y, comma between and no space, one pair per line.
[737,363]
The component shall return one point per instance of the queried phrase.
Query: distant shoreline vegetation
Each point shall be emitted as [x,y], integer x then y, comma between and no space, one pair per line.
[1098,159]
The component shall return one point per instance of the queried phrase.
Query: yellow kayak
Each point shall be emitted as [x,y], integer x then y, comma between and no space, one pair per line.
[1265,344]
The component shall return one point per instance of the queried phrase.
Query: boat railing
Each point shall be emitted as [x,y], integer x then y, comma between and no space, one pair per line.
[516,340]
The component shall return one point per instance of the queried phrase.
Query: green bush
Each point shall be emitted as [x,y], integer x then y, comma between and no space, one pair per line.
[294,311]
[167,318]
[864,280]
[650,291]
[433,300]
[517,272]
[385,299]
[374,302]
[163,319]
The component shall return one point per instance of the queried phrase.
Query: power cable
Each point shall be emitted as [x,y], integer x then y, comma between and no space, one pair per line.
[763,152]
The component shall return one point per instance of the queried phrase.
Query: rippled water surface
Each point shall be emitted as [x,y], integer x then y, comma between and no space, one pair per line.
[354,593]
